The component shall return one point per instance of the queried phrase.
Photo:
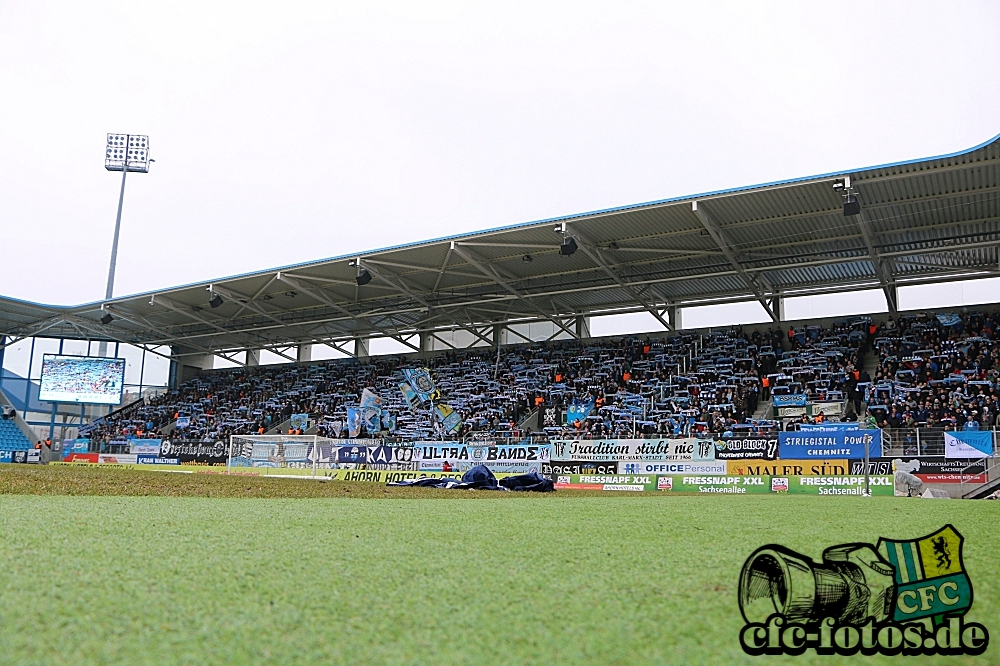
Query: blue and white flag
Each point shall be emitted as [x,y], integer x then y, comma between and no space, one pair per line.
[409,395]
[451,421]
[371,411]
[579,411]
[968,444]
[423,385]
[948,319]
[353,421]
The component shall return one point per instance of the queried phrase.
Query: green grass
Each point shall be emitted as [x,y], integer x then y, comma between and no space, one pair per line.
[511,579]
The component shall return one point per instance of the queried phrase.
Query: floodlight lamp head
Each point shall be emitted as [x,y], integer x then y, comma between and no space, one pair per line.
[107,318]
[215,301]
[364,277]
[127,152]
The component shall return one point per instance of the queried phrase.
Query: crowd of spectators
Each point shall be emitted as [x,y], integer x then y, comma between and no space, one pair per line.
[933,371]
[937,371]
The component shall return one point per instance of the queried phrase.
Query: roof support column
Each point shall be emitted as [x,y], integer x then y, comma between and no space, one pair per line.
[778,306]
[582,326]
[303,353]
[362,347]
[499,335]
[675,316]
[253,358]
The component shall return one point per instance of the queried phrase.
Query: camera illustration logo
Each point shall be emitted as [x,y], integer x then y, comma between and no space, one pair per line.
[898,597]
[779,484]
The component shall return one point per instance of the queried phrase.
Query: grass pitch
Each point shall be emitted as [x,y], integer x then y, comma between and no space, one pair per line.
[413,578]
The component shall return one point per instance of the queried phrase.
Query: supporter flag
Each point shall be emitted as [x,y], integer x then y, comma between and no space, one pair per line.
[450,420]
[409,395]
[371,411]
[423,385]
[948,319]
[182,422]
[300,421]
[579,411]
[968,444]
[388,421]
[353,421]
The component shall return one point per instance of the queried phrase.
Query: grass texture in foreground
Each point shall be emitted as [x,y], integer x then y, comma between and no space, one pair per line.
[560,578]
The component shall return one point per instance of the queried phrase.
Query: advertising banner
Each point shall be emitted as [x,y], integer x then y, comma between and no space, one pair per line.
[928,470]
[633,449]
[206,452]
[117,458]
[554,468]
[714,467]
[6,456]
[156,460]
[829,444]
[792,400]
[34,456]
[741,447]
[968,444]
[149,447]
[839,485]
[20,457]
[660,483]
[75,446]
[787,467]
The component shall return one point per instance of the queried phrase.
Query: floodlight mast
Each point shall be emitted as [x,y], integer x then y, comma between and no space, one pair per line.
[125,152]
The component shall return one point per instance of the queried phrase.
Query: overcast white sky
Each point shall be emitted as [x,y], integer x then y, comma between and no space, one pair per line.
[289,132]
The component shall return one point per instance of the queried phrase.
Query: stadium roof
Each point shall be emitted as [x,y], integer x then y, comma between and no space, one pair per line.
[922,221]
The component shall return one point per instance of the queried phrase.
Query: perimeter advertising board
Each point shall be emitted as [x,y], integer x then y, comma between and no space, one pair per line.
[787,467]
[713,467]
[626,450]
[726,485]
[733,447]
[556,468]
[928,470]
[816,444]
[839,485]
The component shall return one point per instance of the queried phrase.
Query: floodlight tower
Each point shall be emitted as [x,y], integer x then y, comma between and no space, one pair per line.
[125,152]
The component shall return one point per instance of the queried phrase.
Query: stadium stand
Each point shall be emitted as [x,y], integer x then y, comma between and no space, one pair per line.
[672,386]
[11,437]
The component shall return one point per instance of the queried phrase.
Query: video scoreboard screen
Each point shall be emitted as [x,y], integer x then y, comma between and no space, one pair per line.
[82,379]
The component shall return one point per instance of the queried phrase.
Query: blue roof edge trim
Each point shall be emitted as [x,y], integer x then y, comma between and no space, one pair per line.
[519,225]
